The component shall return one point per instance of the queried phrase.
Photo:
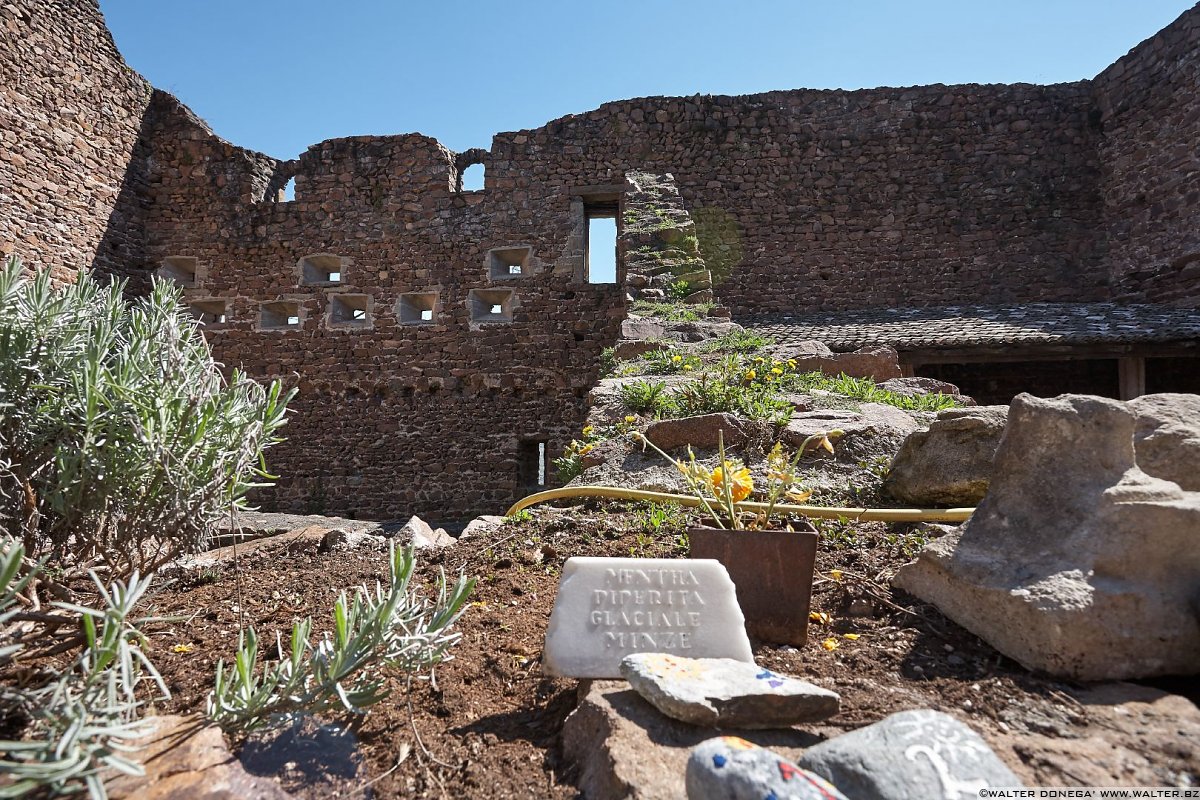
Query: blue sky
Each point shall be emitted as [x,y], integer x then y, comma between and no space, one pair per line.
[280,75]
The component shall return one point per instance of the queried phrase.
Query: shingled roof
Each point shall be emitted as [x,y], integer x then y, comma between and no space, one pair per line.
[985,326]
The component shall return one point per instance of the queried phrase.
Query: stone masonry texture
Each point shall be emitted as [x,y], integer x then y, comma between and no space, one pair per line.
[799,201]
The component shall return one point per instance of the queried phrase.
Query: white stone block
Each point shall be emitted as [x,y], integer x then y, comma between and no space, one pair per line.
[608,608]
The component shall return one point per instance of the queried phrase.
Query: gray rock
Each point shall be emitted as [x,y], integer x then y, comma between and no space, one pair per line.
[918,386]
[418,533]
[699,431]
[1077,562]
[635,328]
[874,431]
[722,692]
[729,768]
[702,296]
[1167,437]
[809,348]
[701,330]
[913,755]
[341,540]
[879,363]
[695,277]
[951,462]
[481,526]
[631,349]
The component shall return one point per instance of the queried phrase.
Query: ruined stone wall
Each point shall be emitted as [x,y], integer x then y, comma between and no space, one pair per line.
[800,200]
[70,116]
[396,414]
[840,200]
[1149,108]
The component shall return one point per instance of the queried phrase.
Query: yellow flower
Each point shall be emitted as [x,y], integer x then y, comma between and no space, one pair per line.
[630,418]
[751,374]
[677,359]
[687,367]
[836,574]
[831,644]
[776,371]
[182,648]
[587,448]
[740,482]
[850,636]
[792,363]
[819,617]
[587,430]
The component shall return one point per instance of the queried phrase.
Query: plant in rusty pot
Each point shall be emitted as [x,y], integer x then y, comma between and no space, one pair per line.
[770,562]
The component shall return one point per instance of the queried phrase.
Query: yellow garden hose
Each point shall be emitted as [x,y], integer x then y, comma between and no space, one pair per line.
[820,512]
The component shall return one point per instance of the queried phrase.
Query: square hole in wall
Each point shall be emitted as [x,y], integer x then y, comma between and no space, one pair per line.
[280,315]
[350,310]
[183,270]
[321,269]
[210,313]
[509,262]
[416,308]
[491,305]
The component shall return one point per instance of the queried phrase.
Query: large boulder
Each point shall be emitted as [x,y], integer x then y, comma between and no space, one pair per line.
[877,362]
[1167,437]
[951,462]
[1077,562]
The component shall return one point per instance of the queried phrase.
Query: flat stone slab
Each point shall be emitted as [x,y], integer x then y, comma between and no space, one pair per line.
[727,693]
[730,768]
[913,755]
[700,431]
[608,608]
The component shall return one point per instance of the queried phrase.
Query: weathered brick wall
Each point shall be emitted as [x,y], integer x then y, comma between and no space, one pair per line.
[839,200]
[1149,108]
[392,418]
[70,116]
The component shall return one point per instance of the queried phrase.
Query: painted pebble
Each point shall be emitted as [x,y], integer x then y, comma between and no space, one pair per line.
[729,768]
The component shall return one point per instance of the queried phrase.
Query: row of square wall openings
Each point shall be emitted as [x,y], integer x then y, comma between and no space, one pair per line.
[325,269]
[356,310]
[321,269]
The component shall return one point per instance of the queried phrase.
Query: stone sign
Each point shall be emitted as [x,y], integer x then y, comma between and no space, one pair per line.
[607,608]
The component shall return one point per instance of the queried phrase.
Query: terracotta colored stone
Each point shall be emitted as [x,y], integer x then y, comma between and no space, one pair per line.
[185,759]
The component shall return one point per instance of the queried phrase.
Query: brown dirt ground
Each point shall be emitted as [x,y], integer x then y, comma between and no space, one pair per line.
[489,725]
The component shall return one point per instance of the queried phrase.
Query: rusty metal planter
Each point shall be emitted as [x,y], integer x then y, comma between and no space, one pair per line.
[773,574]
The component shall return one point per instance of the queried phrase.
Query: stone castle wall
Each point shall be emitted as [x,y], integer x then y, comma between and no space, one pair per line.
[396,414]
[1149,114]
[70,116]
[460,336]
[842,200]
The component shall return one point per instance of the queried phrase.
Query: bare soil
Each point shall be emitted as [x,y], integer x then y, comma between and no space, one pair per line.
[489,725]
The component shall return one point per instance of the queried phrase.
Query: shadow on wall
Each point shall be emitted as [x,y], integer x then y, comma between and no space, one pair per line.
[122,249]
